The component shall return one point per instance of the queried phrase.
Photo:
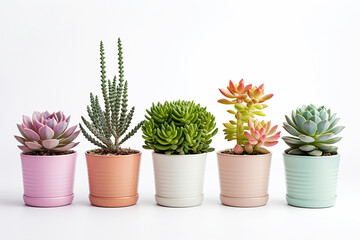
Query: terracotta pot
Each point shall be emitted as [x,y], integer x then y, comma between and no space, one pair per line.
[311,181]
[179,179]
[113,180]
[48,180]
[244,179]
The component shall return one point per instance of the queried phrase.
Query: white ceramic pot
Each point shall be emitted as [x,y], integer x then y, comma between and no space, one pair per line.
[179,179]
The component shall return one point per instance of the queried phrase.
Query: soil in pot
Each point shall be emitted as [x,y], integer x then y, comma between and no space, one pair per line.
[122,151]
[232,152]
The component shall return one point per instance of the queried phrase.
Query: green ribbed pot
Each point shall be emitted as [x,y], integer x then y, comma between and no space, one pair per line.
[311,181]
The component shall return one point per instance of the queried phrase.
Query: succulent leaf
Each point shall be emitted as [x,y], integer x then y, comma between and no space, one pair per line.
[239,149]
[50,143]
[337,130]
[307,115]
[315,119]
[20,139]
[25,149]
[306,139]
[66,147]
[327,147]
[325,137]
[262,150]
[315,153]
[296,151]
[322,126]
[46,132]
[290,129]
[259,113]
[307,148]
[299,120]
[33,145]
[292,140]
[309,127]
[30,134]
[59,128]
[323,114]
[333,140]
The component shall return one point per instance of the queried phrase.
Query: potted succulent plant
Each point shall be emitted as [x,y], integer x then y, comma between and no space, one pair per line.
[48,163]
[311,162]
[244,169]
[180,134]
[113,171]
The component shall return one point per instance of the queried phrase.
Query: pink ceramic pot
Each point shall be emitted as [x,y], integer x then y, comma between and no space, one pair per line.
[48,180]
[244,179]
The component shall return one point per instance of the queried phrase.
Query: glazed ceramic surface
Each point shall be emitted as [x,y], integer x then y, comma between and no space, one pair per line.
[311,181]
[113,180]
[48,180]
[244,179]
[179,179]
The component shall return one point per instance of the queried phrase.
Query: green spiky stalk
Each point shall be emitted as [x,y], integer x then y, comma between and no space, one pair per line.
[107,126]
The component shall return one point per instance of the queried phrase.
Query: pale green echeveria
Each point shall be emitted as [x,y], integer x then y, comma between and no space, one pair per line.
[313,131]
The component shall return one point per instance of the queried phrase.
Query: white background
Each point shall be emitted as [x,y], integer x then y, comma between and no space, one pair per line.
[304,51]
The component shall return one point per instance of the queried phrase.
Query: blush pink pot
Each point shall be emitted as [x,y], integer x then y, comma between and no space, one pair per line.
[48,180]
[244,179]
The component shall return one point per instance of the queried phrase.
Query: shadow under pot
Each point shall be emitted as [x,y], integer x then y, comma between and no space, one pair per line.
[244,179]
[311,181]
[113,179]
[48,180]
[179,179]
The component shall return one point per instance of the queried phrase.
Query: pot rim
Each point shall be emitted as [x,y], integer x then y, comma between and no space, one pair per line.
[314,157]
[237,155]
[178,155]
[113,156]
[53,156]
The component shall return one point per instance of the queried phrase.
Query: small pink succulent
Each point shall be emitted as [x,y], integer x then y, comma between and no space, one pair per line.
[260,134]
[46,132]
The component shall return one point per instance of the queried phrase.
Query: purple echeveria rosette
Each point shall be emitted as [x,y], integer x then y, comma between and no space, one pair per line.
[47,132]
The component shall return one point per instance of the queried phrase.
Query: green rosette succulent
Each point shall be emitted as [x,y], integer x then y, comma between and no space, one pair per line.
[178,127]
[313,131]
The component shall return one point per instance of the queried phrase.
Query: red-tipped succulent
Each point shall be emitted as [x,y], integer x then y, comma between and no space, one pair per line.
[260,134]
[46,132]
[256,95]
[237,93]
[248,102]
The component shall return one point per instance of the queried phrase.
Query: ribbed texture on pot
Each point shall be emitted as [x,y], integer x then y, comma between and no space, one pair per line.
[311,178]
[179,176]
[113,176]
[48,176]
[244,176]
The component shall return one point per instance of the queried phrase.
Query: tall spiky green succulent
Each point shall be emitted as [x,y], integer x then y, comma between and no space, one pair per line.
[115,120]
[179,127]
[314,131]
